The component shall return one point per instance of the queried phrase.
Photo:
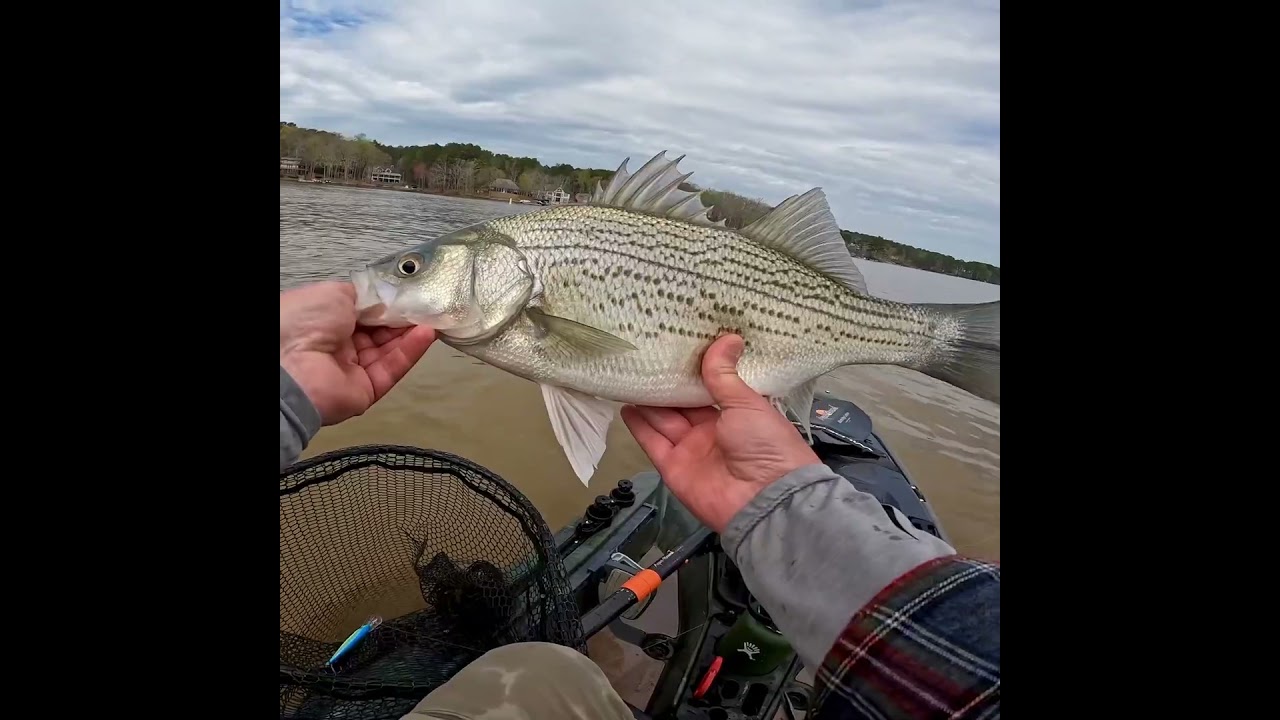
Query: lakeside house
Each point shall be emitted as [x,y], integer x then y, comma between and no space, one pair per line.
[386,175]
[505,185]
[290,165]
[554,196]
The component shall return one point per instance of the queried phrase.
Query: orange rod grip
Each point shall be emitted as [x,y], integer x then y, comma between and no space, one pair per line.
[643,583]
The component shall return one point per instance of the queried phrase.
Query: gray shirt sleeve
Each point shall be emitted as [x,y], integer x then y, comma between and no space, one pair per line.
[299,420]
[813,550]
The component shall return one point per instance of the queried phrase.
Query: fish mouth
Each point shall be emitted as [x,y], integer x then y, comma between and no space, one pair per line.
[370,291]
[373,299]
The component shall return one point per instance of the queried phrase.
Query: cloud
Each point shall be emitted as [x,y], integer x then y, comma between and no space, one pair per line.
[892,107]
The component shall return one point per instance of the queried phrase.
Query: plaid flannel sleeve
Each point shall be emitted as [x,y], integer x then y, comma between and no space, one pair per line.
[927,646]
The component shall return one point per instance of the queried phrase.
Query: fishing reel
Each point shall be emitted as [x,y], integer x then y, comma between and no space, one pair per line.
[621,569]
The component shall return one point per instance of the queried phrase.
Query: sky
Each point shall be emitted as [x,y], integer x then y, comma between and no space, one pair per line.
[892,107]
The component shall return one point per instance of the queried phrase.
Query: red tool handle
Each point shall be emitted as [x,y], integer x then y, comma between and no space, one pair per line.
[708,678]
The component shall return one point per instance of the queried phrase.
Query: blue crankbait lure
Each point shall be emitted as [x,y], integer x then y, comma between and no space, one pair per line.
[360,634]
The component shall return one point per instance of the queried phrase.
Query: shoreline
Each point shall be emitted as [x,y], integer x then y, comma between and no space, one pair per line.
[496,197]
[515,200]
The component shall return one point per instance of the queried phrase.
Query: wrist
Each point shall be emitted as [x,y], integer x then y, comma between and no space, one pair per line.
[291,363]
[297,405]
[741,494]
[755,502]
[736,498]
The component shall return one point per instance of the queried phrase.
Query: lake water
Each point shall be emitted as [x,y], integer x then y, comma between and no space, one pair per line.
[948,440]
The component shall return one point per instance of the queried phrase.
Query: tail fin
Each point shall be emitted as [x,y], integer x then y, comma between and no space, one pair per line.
[970,354]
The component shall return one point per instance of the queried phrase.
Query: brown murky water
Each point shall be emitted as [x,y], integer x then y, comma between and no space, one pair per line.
[948,440]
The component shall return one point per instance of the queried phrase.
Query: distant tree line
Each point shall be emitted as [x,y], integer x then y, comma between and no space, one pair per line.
[739,211]
[330,156]
[464,168]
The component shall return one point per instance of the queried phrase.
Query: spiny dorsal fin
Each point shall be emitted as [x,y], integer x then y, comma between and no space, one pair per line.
[654,188]
[803,227]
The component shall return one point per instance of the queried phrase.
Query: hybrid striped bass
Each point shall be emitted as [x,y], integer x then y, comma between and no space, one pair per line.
[616,300]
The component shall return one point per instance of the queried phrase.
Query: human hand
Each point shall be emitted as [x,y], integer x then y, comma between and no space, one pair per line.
[342,369]
[715,461]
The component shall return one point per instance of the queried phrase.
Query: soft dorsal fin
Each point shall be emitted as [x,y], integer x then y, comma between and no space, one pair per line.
[655,188]
[803,227]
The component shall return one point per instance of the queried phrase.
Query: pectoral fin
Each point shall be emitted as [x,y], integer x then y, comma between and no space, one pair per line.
[581,423]
[574,337]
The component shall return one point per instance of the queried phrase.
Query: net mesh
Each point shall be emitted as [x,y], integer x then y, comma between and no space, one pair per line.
[452,559]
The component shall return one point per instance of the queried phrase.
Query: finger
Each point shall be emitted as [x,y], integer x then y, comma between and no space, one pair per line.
[415,341]
[667,421]
[698,416]
[654,444]
[341,288]
[363,340]
[347,354]
[384,335]
[388,364]
[372,337]
[720,375]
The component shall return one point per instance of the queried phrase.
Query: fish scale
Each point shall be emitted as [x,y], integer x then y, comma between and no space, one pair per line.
[616,301]
[667,288]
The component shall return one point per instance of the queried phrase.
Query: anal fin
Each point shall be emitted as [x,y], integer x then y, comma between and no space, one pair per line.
[799,402]
[581,424]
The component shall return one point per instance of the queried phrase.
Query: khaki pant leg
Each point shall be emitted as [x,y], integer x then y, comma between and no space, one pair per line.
[525,681]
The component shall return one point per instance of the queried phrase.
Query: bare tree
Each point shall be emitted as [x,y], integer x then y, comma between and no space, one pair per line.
[437,175]
[463,174]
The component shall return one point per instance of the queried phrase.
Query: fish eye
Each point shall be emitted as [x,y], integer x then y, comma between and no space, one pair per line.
[409,264]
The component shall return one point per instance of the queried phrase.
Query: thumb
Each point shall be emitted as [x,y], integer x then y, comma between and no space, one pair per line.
[720,374]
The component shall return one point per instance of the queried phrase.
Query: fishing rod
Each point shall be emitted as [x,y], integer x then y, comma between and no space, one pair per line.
[644,583]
